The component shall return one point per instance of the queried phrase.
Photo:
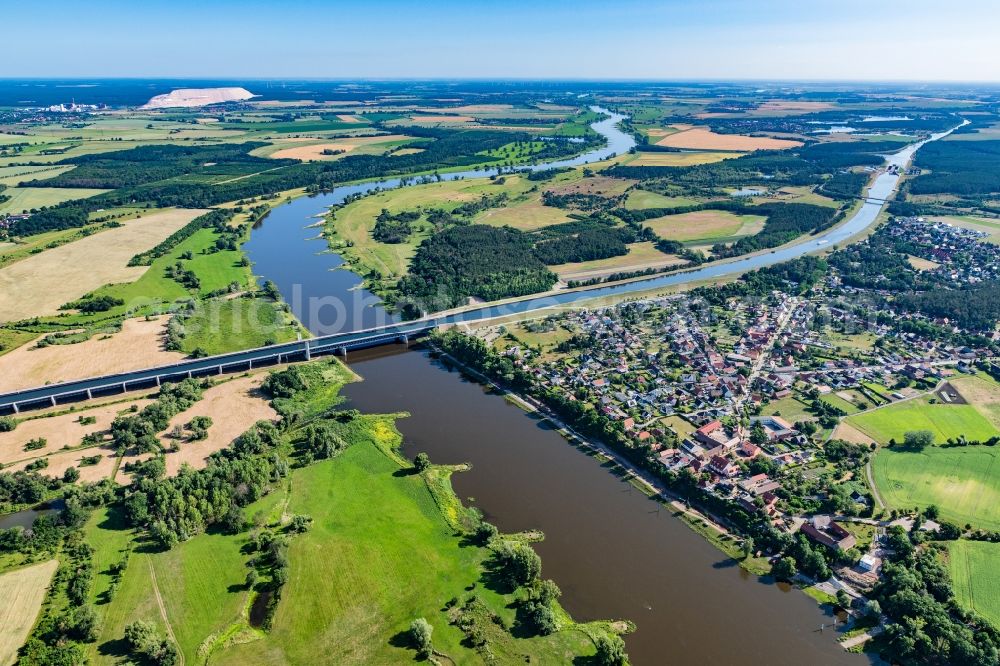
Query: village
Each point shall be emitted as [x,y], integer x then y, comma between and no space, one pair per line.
[749,398]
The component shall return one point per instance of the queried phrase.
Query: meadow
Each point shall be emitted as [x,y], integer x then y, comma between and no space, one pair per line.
[199,584]
[945,421]
[354,583]
[960,481]
[368,521]
[973,565]
[223,325]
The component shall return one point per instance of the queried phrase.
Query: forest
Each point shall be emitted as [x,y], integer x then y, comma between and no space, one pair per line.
[965,168]
[476,260]
[148,164]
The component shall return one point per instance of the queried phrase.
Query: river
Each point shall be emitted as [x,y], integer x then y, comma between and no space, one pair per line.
[327,300]
[615,553]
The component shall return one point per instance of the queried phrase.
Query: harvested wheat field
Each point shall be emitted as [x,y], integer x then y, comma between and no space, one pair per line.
[63,460]
[39,284]
[59,431]
[234,406]
[22,592]
[681,159]
[350,118]
[849,433]
[314,152]
[702,138]
[138,345]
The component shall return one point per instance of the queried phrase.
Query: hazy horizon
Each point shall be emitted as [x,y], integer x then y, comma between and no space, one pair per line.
[718,40]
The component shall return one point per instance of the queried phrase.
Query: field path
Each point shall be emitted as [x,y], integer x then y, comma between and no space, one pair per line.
[871,484]
[163,611]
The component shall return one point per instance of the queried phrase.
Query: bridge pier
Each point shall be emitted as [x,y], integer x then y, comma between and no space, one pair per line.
[53,399]
[157,380]
[341,351]
[90,394]
[251,364]
[309,354]
[124,388]
[220,368]
[17,410]
[189,374]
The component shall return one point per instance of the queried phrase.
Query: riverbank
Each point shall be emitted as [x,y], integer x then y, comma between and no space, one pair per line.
[708,526]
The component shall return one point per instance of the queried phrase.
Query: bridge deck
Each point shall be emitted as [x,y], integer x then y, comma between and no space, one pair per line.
[53,394]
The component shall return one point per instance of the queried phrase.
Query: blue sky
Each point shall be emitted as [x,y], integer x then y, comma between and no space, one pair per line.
[669,39]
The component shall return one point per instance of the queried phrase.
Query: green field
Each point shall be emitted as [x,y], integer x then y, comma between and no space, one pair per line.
[13,175]
[368,526]
[382,550]
[945,421]
[961,481]
[839,403]
[973,566]
[199,581]
[23,199]
[215,270]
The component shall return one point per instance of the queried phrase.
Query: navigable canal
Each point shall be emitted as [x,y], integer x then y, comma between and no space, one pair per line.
[615,553]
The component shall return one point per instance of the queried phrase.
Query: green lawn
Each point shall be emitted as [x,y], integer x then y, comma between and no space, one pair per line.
[973,566]
[839,403]
[961,481]
[945,421]
[790,409]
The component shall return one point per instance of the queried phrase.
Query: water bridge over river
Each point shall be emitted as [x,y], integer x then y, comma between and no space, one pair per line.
[301,350]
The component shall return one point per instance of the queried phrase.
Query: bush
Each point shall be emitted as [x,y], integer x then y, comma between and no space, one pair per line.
[7,423]
[611,651]
[420,633]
